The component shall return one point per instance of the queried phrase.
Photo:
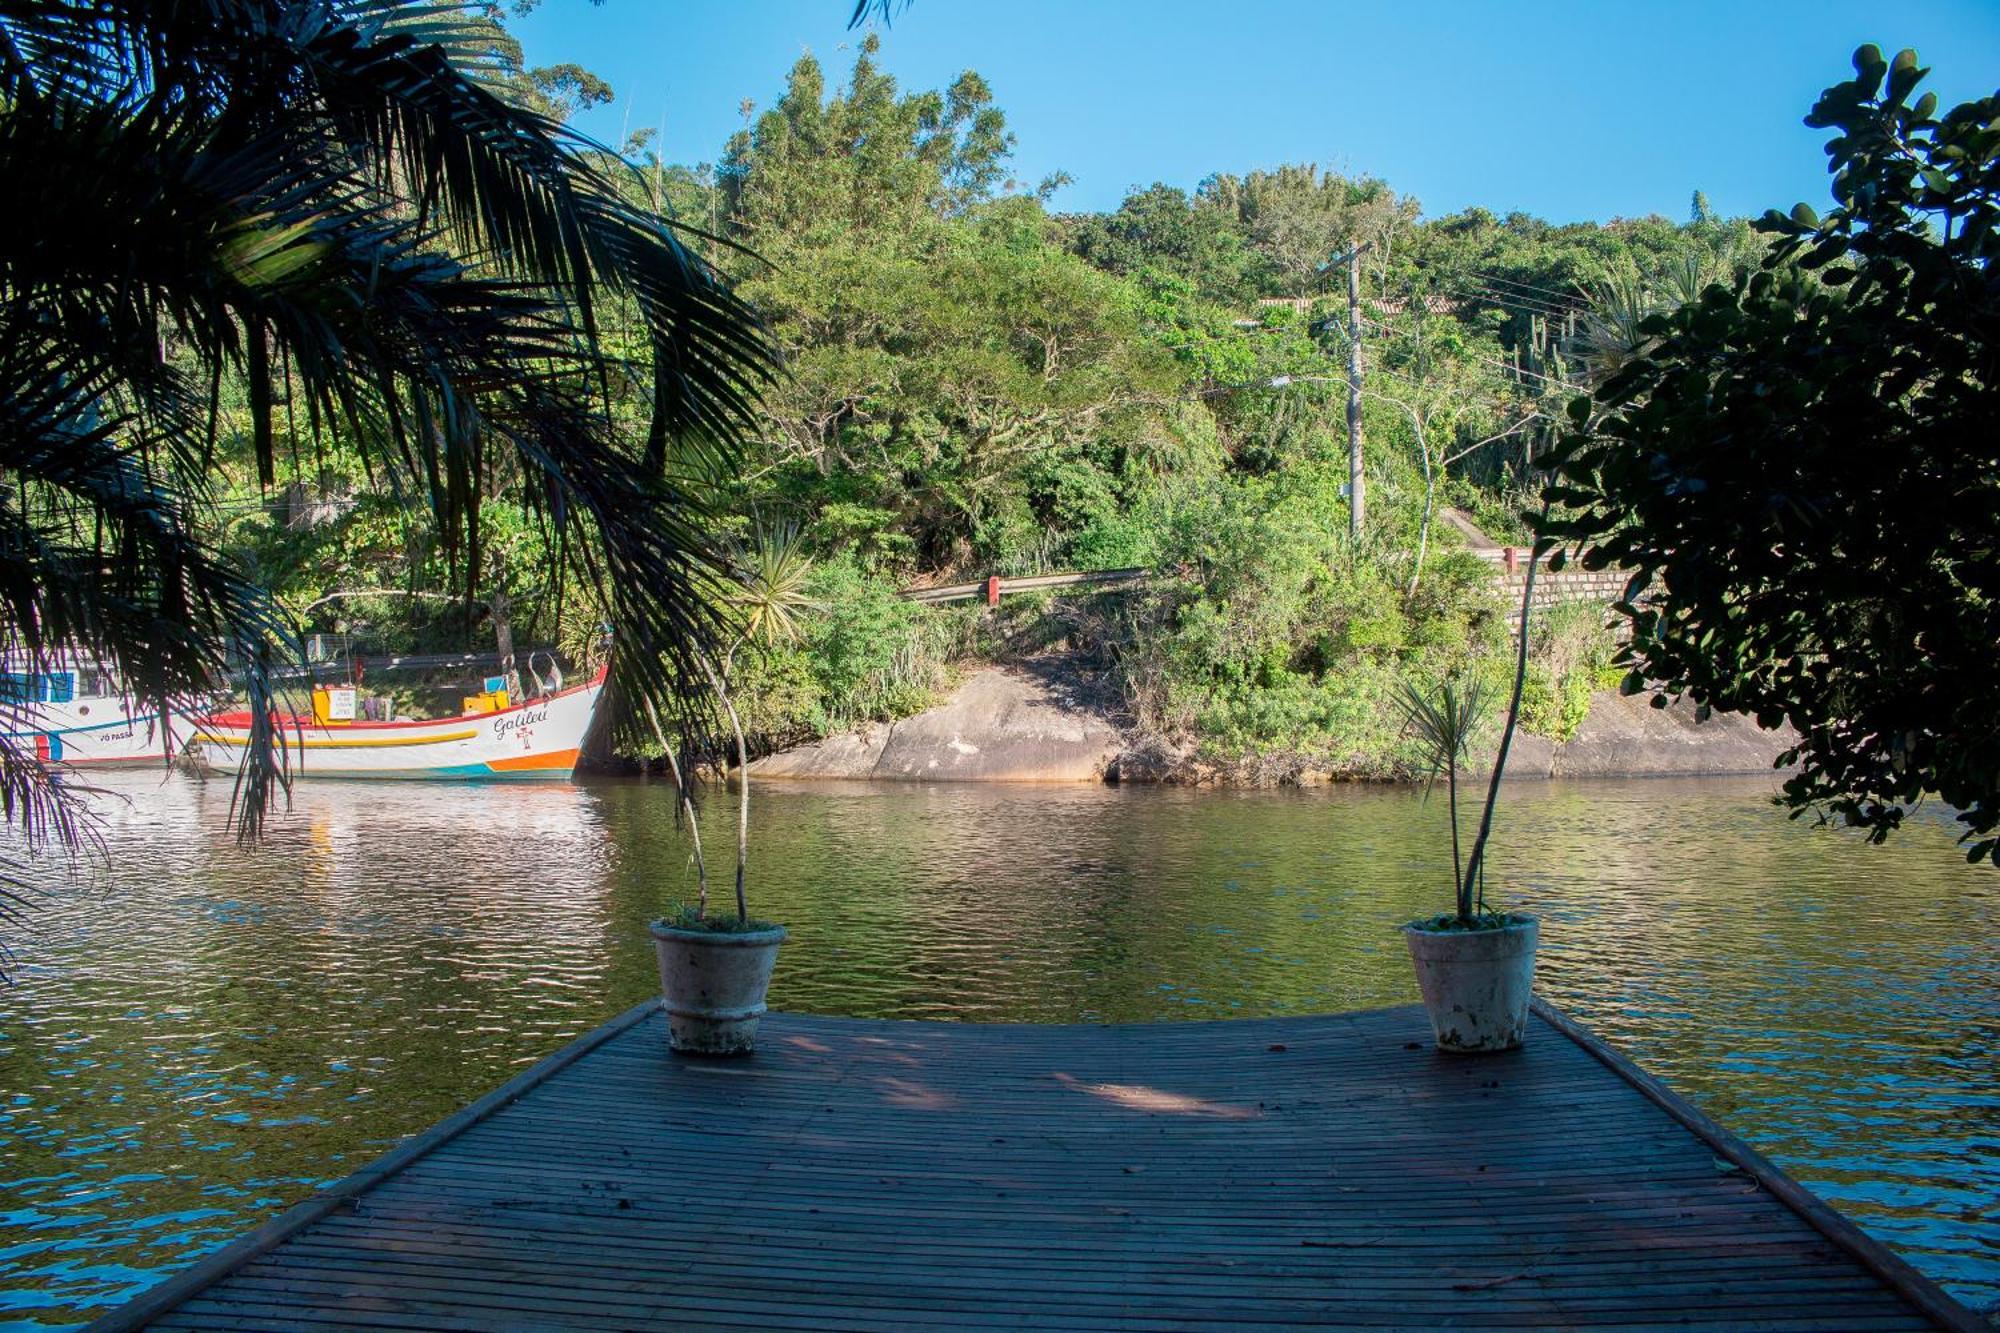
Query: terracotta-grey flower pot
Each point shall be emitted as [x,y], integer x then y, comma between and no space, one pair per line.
[714,984]
[1476,983]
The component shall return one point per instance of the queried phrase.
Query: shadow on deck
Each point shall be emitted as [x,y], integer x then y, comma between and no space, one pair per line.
[1324,1171]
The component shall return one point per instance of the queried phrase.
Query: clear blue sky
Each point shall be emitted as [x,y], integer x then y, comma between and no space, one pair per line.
[1591,109]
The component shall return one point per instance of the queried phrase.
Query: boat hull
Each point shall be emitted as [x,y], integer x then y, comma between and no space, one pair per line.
[536,741]
[75,741]
[67,708]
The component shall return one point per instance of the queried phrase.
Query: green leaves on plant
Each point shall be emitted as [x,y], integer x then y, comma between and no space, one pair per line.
[1445,726]
[1904,75]
[1837,571]
[331,207]
[1444,729]
[773,574]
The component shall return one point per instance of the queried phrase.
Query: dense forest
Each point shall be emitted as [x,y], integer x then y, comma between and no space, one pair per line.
[978,383]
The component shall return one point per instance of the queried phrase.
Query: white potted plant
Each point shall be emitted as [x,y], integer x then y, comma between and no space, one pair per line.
[1475,966]
[715,971]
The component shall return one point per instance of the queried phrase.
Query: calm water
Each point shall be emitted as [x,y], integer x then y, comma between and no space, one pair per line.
[207,1032]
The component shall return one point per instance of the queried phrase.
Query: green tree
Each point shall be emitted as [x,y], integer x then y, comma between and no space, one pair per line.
[1804,470]
[1296,217]
[1164,232]
[960,382]
[557,91]
[865,160]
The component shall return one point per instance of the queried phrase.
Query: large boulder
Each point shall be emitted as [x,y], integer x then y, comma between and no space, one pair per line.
[1625,736]
[1004,724]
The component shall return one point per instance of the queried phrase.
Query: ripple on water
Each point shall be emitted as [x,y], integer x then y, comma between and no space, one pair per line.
[207,1032]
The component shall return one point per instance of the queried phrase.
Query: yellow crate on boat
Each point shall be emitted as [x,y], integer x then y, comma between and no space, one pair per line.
[333,703]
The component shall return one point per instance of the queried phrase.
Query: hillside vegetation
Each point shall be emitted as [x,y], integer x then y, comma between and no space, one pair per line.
[979,383]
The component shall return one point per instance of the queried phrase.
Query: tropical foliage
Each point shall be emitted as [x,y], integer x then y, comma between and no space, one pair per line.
[1445,729]
[272,258]
[1803,467]
[976,384]
[285,233]
[980,385]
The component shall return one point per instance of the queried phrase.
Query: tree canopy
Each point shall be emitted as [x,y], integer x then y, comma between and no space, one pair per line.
[1803,467]
[974,384]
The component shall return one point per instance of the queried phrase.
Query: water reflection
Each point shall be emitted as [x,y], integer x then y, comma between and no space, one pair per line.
[202,1037]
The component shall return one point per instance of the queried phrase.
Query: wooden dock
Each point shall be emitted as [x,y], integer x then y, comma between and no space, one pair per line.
[1326,1171]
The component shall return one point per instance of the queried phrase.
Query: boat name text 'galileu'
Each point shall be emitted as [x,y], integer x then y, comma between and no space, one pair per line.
[527,717]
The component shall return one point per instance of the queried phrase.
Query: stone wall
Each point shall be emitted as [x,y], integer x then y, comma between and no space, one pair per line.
[1564,587]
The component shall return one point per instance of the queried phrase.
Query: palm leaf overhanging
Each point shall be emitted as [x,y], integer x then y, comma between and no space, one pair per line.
[325,210]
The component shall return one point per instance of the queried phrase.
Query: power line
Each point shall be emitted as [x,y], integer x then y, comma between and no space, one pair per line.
[1567,298]
[1531,374]
[1515,287]
[1510,367]
[1488,360]
[1518,303]
[1468,287]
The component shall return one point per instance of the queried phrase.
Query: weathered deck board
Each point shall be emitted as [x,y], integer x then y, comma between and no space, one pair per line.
[1329,1171]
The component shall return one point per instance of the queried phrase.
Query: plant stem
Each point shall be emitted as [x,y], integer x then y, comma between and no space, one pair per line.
[1457,866]
[687,813]
[1506,741]
[742,790]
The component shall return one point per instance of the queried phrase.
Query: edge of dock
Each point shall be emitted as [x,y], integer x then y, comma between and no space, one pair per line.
[1923,1295]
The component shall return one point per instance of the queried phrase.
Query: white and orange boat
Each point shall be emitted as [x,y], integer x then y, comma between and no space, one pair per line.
[493,739]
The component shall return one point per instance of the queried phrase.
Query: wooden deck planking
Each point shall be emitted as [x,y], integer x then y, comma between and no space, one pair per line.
[1322,1171]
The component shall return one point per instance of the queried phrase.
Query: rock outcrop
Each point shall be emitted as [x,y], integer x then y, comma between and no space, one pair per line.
[1037,722]
[1004,724]
[1625,736]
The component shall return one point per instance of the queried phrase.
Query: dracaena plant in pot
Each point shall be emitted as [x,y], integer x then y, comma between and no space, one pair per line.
[1475,966]
[715,971]
[715,968]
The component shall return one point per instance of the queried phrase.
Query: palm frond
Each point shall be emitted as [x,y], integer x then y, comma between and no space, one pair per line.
[329,206]
[46,815]
[1612,332]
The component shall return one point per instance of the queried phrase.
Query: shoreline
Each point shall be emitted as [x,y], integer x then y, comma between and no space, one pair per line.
[1031,723]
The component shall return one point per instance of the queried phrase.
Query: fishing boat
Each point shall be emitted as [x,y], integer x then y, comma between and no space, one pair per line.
[73,710]
[493,738]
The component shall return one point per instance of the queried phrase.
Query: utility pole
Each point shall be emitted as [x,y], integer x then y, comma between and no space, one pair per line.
[1356,484]
[1357,498]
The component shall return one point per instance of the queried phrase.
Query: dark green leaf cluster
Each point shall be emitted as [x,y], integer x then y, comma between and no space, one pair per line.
[333,211]
[977,386]
[688,916]
[1804,470]
[1452,922]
